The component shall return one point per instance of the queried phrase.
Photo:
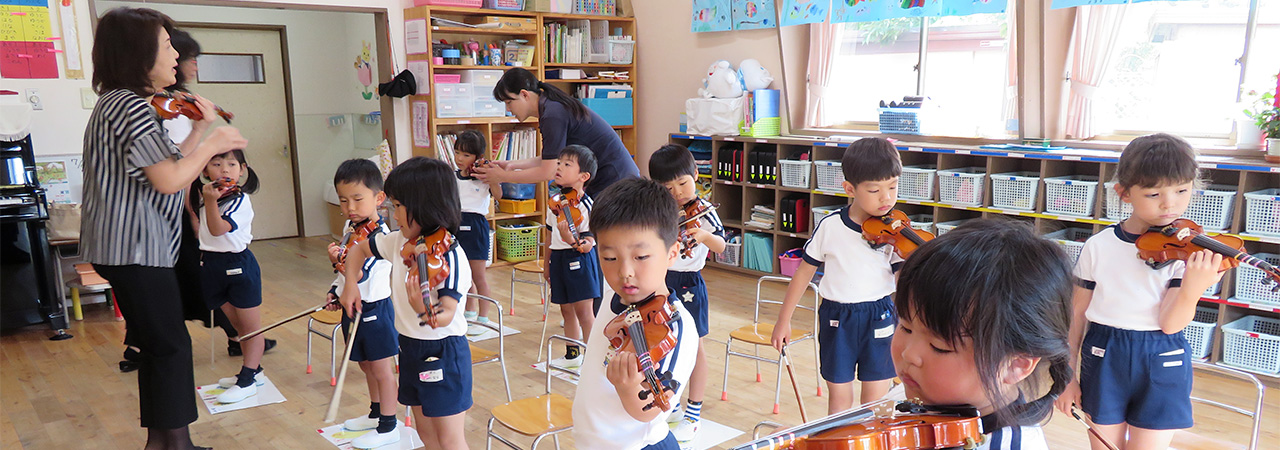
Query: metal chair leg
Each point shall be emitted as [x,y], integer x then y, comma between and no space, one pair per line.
[724,387]
[309,333]
[777,389]
[333,356]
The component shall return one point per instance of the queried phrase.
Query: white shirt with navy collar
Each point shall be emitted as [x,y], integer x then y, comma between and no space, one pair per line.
[473,194]
[375,274]
[387,247]
[237,210]
[559,242]
[1126,291]
[855,271]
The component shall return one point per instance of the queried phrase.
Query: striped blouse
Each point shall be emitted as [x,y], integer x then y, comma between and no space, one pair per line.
[126,221]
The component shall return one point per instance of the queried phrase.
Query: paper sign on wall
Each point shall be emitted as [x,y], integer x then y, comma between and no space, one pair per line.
[799,12]
[711,15]
[419,69]
[421,131]
[753,14]
[415,37]
[26,47]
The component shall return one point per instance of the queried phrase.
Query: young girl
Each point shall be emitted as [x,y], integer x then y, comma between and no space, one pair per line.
[229,273]
[1135,369]
[476,198]
[435,363]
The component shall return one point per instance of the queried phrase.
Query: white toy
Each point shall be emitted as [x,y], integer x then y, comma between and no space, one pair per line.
[721,82]
[754,76]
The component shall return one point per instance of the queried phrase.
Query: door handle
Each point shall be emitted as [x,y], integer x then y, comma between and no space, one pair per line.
[284,151]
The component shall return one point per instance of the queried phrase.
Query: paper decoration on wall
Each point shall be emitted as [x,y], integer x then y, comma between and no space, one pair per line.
[364,69]
[799,12]
[26,40]
[711,15]
[872,10]
[70,40]
[1059,4]
[419,117]
[753,14]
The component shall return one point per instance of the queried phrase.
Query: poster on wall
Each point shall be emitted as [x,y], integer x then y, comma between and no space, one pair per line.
[421,131]
[711,15]
[800,12]
[753,14]
[873,10]
[26,40]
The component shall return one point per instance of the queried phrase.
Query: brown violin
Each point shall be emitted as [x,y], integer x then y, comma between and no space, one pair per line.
[170,105]
[426,255]
[645,328]
[227,186]
[895,229]
[355,234]
[690,215]
[910,427]
[1176,241]
[565,206]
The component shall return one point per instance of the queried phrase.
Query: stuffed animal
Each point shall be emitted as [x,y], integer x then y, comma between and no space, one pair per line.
[754,76]
[721,82]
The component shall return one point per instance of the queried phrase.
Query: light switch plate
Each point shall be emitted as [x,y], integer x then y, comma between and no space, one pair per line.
[88,98]
[33,97]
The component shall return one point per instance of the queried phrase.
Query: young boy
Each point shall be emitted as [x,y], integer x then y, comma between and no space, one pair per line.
[359,186]
[856,318]
[636,228]
[674,167]
[573,270]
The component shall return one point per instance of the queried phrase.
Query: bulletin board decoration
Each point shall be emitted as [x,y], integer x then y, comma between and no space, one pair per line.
[70,40]
[754,14]
[800,12]
[26,40]
[711,15]
[873,10]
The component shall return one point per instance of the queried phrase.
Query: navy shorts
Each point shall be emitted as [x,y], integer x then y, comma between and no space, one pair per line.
[854,338]
[1142,378]
[435,375]
[473,236]
[574,276]
[689,288]
[376,336]
[230,278]
[669,443]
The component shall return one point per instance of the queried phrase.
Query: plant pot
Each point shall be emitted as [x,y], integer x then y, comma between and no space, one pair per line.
[1248,135]
[1273,150]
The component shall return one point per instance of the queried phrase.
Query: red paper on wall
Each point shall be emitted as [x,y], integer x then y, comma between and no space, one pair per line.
[20,59]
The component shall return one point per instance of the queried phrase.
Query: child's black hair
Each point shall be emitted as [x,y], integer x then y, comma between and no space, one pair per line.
[870,159]
[1008,290]
[584,157]
[670,162]
[188,49]
[428,190]
[250,185]
[517,79]
[639,203]
[359,170]
[1156,160]
[471,142]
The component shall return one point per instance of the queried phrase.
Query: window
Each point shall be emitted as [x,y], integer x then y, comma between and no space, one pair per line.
[229,68]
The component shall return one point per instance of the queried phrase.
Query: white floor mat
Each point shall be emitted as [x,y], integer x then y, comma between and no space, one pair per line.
[267,394]
[542,367]
[342,438]
[490,334]
[710,434]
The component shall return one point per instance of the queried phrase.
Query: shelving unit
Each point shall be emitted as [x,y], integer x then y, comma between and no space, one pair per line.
[735,199]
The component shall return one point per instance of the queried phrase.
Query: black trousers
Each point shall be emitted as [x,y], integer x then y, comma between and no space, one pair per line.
[150,301]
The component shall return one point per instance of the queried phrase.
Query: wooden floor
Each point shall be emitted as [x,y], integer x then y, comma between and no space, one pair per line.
[70,394]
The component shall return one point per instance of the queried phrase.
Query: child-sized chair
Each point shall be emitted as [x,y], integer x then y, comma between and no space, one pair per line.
[90,281]
[481,356]
[761,333]
[1186,440]
[331,320]
[545,415]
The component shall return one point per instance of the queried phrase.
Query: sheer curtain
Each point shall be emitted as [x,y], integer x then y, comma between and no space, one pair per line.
[824,45]
[1092,42]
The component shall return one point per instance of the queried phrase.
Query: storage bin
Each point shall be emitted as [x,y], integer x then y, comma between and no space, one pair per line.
[962,187]
[1250,281]
[481,77]
[1211,208]
[446,78]
[1071,240]
[1116,209]
[489,108]
[517,240]
[453,108]
[621,51]
[455,91]
[615,111]
[795,173]
[916,182]
[1014,190]
[1262,212]
[822,211]
[507,5]
[922,222]
[731,254]
[463,3]
[944,227]
[519,191]
[1252,343]
[789,261]
[1071,195]
[830,175]
[511,206]
[1199,332]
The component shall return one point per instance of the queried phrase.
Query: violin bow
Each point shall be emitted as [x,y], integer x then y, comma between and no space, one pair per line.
[803,417]
[1076,413]
[332,413]
[267,328]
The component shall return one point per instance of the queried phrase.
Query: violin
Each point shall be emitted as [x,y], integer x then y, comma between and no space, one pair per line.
[354,235]
[690,214]
[908,426]
[426,255]
[1160,246]
[895,229]
[227,185]
[480,162]
[565,206]
[645,328]
[170,105]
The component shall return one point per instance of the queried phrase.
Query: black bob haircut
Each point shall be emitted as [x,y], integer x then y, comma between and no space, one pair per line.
[471,142]
[359,170]
[188,49]
[636,203]
[428,190]
[584,157]
[870,159]
[672,161]
[1008,290]
[125,47]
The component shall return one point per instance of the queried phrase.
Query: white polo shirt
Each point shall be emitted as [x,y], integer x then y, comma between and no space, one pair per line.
[695,263]
[237,210]
[599,420]
[559,242]
[1126,291]
[855,272]
[387,247]
[473,194]
[375,283]
[1005,438]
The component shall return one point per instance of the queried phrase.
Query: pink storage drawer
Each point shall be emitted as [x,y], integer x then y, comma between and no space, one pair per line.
[447,78]
[467,3]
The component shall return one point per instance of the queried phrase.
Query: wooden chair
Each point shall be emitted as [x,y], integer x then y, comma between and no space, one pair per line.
[1186,440]
[331,320]
[481,356]
[90,281]
[545,415]
[759,334]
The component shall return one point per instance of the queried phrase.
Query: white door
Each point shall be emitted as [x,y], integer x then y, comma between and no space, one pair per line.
[262,117]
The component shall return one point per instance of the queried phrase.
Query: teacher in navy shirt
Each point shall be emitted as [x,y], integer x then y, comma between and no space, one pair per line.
[563,120]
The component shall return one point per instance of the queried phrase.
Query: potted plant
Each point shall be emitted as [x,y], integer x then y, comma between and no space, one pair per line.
[1265,113]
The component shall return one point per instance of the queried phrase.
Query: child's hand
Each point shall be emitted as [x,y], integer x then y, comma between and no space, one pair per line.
[781,334]
[585,245]
[334,304]
[1202,270]
[210,192]
[699,235]
[351,304]
[1068,396]
[623,372]
[563,226]
[334,250]
[415,294]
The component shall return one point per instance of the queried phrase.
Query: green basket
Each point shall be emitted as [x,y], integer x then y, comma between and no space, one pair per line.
[518,240]
[765,127]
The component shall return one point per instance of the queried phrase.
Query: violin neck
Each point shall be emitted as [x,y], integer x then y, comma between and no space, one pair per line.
[911,235]
[1222,249]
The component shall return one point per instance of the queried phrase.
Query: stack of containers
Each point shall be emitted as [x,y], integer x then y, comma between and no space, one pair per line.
[483,81]
[454,100]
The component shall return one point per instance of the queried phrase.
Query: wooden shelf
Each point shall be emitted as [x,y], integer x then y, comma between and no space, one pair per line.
[589,66]
[483,120]
[590,81]
[462,67]
[481,31]
[561,16]
[468,11]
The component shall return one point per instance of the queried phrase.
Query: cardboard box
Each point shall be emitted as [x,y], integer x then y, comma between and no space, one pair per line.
[521,24]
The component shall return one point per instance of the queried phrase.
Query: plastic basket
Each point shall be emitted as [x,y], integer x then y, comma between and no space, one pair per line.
[830,175]
[922,222]
[508,5]
[822,211]
[519,191]
[1071,195]
[944,227]
[961,187]
[1252,343]
[901,120]
[794,173]
[789,261]
[1262,212]
[1116,209]
[1249,282]
[1015,190]
[1070,239]
[518,240]
[916,182]
[1199,332]
[731,255]
[1211,208]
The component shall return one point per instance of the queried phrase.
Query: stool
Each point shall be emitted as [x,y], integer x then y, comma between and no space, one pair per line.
[328,318]
[90,281]
[534,267]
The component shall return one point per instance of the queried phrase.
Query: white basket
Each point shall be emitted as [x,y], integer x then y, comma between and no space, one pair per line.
[1211,208]
[1249,282]
[1262,212]
[794,173]
[1071,240]
[1015,190]
[944,227]
[916,182]
[830,175]
[1199,332]
[1116,209]
[730,255]
[1071,195]
[1253,343]
[962,187]
[822,211]
[922,222]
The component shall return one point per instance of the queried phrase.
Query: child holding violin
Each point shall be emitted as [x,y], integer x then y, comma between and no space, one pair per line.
[477,198]
[572,267]
[621,403]
[435,360]
[1135,368]
[855,319]
[674,167]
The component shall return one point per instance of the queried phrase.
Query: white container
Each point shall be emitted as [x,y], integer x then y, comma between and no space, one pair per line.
[454,107]
[916,182]
[1250,287]
[1252,343]
[922,222]
[962,187]
[830,175]
[730,255]
[1071,195]
[1262,212]
[1014,190]
[1115,209]
[481,77]
[489,108]
[1211,208]
[621,51]
[822,211]
[794,173]
[1071,240]
[944,227]
[454,91]
[1199,332]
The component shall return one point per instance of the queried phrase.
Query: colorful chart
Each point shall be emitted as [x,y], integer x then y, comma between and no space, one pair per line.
[26,40]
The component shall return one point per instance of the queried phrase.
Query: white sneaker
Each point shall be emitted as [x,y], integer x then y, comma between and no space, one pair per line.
[476,329]
[677,413]
[235,394]
[686,431]
[360,424]
[227,382]
[376,439]
[568,363]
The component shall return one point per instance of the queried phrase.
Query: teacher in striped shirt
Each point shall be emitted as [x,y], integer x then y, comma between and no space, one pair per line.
[134,178]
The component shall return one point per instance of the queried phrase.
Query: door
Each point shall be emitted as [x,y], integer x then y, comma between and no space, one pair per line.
[262,115]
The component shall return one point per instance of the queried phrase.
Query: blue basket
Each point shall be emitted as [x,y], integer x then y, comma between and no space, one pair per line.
[519,191]
[900,120]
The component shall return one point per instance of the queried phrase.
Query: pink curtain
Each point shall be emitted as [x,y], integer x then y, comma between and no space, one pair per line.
[824,44]
[1011,82]
[1092,44]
